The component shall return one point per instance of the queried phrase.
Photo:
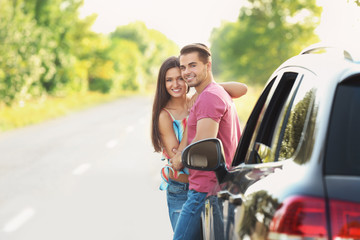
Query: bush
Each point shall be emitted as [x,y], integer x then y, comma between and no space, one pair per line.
[100,85]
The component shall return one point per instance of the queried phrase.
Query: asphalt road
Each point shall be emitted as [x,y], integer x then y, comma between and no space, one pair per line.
[89,175]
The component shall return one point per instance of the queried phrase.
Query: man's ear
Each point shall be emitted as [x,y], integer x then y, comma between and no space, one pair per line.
[209,65]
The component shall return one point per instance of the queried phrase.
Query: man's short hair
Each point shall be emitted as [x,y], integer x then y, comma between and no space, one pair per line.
[202,49]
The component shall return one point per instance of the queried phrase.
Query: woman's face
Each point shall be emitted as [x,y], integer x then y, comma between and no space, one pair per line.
[174,83]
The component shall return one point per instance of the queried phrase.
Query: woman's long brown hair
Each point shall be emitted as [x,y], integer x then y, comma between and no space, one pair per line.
[160,100]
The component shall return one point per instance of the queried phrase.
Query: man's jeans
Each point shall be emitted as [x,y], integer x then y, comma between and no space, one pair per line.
[189,223]
[176,195]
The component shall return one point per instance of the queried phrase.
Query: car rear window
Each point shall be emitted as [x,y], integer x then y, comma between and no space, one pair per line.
[343,145]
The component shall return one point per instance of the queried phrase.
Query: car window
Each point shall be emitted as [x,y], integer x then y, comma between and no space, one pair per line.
[291,128]
[342,152]
[251,124]
[259,149]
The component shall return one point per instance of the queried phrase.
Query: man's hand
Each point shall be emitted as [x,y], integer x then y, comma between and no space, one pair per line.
[176,160]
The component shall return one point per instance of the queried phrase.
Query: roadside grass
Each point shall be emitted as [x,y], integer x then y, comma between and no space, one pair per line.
[245,104]
[36,111]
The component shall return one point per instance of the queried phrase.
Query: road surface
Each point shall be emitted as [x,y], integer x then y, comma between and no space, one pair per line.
[89,175]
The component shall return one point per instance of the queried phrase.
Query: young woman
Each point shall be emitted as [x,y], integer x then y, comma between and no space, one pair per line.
[169,118]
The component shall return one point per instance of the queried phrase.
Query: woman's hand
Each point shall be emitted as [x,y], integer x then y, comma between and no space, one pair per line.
[175,161]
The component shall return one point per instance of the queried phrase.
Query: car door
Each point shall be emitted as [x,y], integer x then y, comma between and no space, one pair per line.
[264,145]
[342,158]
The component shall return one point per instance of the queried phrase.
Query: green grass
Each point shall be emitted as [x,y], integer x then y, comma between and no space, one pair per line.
[36,111]
[245,104]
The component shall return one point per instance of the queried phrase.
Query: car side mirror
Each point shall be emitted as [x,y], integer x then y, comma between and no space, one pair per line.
[205,155]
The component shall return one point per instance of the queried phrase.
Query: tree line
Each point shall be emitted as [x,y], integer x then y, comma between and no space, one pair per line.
[266,33]
[46,49]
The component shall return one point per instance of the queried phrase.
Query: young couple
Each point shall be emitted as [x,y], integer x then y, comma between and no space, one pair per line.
[178,120]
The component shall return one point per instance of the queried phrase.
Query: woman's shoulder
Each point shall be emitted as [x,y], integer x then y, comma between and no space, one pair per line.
[165,116]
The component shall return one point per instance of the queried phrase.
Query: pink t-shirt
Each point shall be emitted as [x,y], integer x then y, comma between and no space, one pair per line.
[215,103]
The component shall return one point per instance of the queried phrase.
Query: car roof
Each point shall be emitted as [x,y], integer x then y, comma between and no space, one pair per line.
[327,62]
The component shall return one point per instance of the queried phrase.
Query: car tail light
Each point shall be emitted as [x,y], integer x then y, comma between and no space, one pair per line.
[345,220]
[299,217]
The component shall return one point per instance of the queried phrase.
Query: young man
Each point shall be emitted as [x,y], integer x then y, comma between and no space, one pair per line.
[213,115]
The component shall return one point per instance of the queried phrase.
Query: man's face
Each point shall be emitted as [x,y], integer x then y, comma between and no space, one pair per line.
[192,69]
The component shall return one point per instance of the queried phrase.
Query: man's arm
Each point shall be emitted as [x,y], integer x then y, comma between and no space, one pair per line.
[205,128]
[234,89]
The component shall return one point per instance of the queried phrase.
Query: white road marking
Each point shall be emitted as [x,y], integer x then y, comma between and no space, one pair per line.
[19,220]
[81,169]
[112,143]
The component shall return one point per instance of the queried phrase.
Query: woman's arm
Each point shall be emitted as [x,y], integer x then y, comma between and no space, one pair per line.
[168,137]
[170,143]
[183,142]
[176,159]
[234,89]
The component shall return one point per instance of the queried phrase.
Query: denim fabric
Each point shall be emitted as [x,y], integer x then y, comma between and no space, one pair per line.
[217,217]
[189,223]
[176,194]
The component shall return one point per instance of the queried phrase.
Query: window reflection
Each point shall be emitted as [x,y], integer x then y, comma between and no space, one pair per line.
[258,211]
[295,124]
[292,127]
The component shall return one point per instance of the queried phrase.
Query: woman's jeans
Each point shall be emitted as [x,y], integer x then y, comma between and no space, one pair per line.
[176,194]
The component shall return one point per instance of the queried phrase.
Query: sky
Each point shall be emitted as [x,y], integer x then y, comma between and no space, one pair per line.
[184,21]
[189,21]
[340,23]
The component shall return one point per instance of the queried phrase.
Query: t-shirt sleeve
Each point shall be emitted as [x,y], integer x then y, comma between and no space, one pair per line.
[210,106]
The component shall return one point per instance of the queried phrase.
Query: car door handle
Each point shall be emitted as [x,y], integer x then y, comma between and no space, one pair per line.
[236,200]
[223,195]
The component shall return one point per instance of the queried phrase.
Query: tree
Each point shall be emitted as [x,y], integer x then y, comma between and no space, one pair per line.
[159,49]
[128,65]
[57,18]
[44,48]
[136,32]
[153,46]
[21,60]
[47,50]
[267,33]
